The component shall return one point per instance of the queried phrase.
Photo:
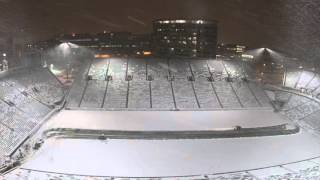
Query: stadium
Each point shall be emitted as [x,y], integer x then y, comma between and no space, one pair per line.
[159,118]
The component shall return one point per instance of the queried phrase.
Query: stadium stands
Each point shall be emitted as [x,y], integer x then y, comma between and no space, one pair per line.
[309,169]
[116,96]
[162,97]
[303,80]
[200,69]
[93,96]
[98,69]
[25,99]
[292,78]
[226,94]
[300,109]
[246,96]
[139,94]
[165,84]
[38,83]
[27,96]
[206,94]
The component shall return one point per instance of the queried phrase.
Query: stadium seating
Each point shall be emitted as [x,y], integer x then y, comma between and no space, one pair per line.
[28,95]
[304,81]
[300,109]
[165,84]
[22,107]
[302,170]
[39,83]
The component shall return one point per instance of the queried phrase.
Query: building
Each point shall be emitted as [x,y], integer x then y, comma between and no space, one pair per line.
[179,38]
[185,38]
[230,50]
[141,44]
[112,43]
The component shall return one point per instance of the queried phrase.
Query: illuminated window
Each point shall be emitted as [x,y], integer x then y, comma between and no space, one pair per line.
[199,22]
[180,21]
[147,53]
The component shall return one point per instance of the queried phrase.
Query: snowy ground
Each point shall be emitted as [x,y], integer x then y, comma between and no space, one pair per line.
[154,158]
[158,158]
[164,120]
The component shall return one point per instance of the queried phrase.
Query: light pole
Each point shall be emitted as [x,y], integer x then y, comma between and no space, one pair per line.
[4,62]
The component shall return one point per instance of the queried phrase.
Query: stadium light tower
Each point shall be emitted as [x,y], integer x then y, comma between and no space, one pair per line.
[4,62]
[66,49]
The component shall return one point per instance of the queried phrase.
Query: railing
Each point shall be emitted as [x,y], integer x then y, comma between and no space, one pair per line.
[232,132]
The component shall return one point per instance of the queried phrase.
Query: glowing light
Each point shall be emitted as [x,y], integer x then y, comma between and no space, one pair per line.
[180,21]
[54,70]
[164,22]
[247,56]
[147,53]
[4,54]
[71,45]
[199,22]
[64,46]
[102,56]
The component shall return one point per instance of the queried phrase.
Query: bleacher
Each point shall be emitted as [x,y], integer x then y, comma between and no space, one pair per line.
[309,169]
[162,95]
[38,83]
[304,81]
[292,78]
[152,84]
[300,109]
[245,94]
[98,69]
[78,86]
[165,84]
[116,96]
[184,94]
[200,69]
[139,94]
[207,97]
[93,96]
[24,101]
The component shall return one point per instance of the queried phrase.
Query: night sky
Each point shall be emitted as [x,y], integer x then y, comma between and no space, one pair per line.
[287,25]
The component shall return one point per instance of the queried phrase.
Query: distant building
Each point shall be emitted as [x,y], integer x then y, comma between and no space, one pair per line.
[185,38]
[141,44]
[231,50]
[113,43]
